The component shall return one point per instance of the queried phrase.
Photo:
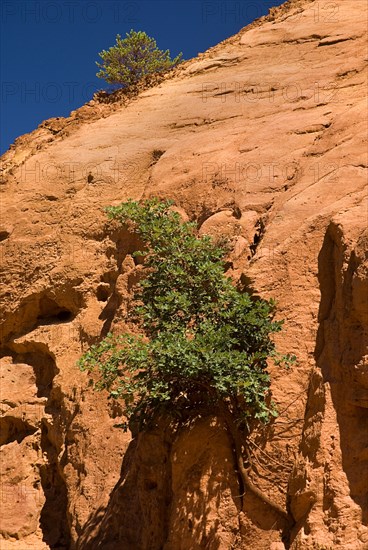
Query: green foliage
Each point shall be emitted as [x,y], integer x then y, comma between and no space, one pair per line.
[132,58]
[202,341]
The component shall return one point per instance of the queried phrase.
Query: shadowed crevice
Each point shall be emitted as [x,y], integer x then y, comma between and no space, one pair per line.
[53,519]
[340,347]
[40,358]
[14,429]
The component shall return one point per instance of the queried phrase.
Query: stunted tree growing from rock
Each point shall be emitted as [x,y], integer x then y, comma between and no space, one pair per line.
[132,58]
[201,345]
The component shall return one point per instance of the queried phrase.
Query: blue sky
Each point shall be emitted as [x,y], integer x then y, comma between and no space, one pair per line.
[49,47]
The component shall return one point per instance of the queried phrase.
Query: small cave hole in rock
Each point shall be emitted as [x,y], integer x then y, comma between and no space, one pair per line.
[64,315]
[51,313]
[102,293]
[156,155]
[14,429]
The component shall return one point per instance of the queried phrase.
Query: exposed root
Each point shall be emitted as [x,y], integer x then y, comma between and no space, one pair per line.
[243,471]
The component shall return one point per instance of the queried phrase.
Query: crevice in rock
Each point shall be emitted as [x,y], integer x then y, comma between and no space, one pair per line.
[53,519]
[156,155]
[14,429]
[4,234]
[326,276]
[334,41]
[258,236]
[38,356]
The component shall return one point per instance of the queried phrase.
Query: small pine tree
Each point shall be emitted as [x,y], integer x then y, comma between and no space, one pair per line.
[132,58]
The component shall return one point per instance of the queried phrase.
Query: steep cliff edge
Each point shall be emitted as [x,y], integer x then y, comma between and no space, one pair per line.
[263,138]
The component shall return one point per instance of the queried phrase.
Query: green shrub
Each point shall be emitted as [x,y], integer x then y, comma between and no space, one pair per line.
[132,58]
[203,344]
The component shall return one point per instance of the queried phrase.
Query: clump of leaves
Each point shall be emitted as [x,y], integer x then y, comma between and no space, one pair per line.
[203,345]
[132,58]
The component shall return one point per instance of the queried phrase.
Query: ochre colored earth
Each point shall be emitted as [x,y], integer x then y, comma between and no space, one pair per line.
[262,138]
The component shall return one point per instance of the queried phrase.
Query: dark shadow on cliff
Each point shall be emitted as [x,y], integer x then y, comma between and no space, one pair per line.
[136,514]
[173,487]
[342,341]
[203,478]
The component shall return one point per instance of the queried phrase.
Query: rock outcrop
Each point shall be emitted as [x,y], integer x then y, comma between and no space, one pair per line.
[263,138]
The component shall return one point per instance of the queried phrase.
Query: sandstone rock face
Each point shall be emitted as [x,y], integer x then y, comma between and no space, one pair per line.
[262,138]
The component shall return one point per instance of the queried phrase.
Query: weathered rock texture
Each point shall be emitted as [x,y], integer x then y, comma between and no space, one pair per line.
[262,138]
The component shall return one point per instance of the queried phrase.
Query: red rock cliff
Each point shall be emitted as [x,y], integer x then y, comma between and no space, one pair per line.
[263,138]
